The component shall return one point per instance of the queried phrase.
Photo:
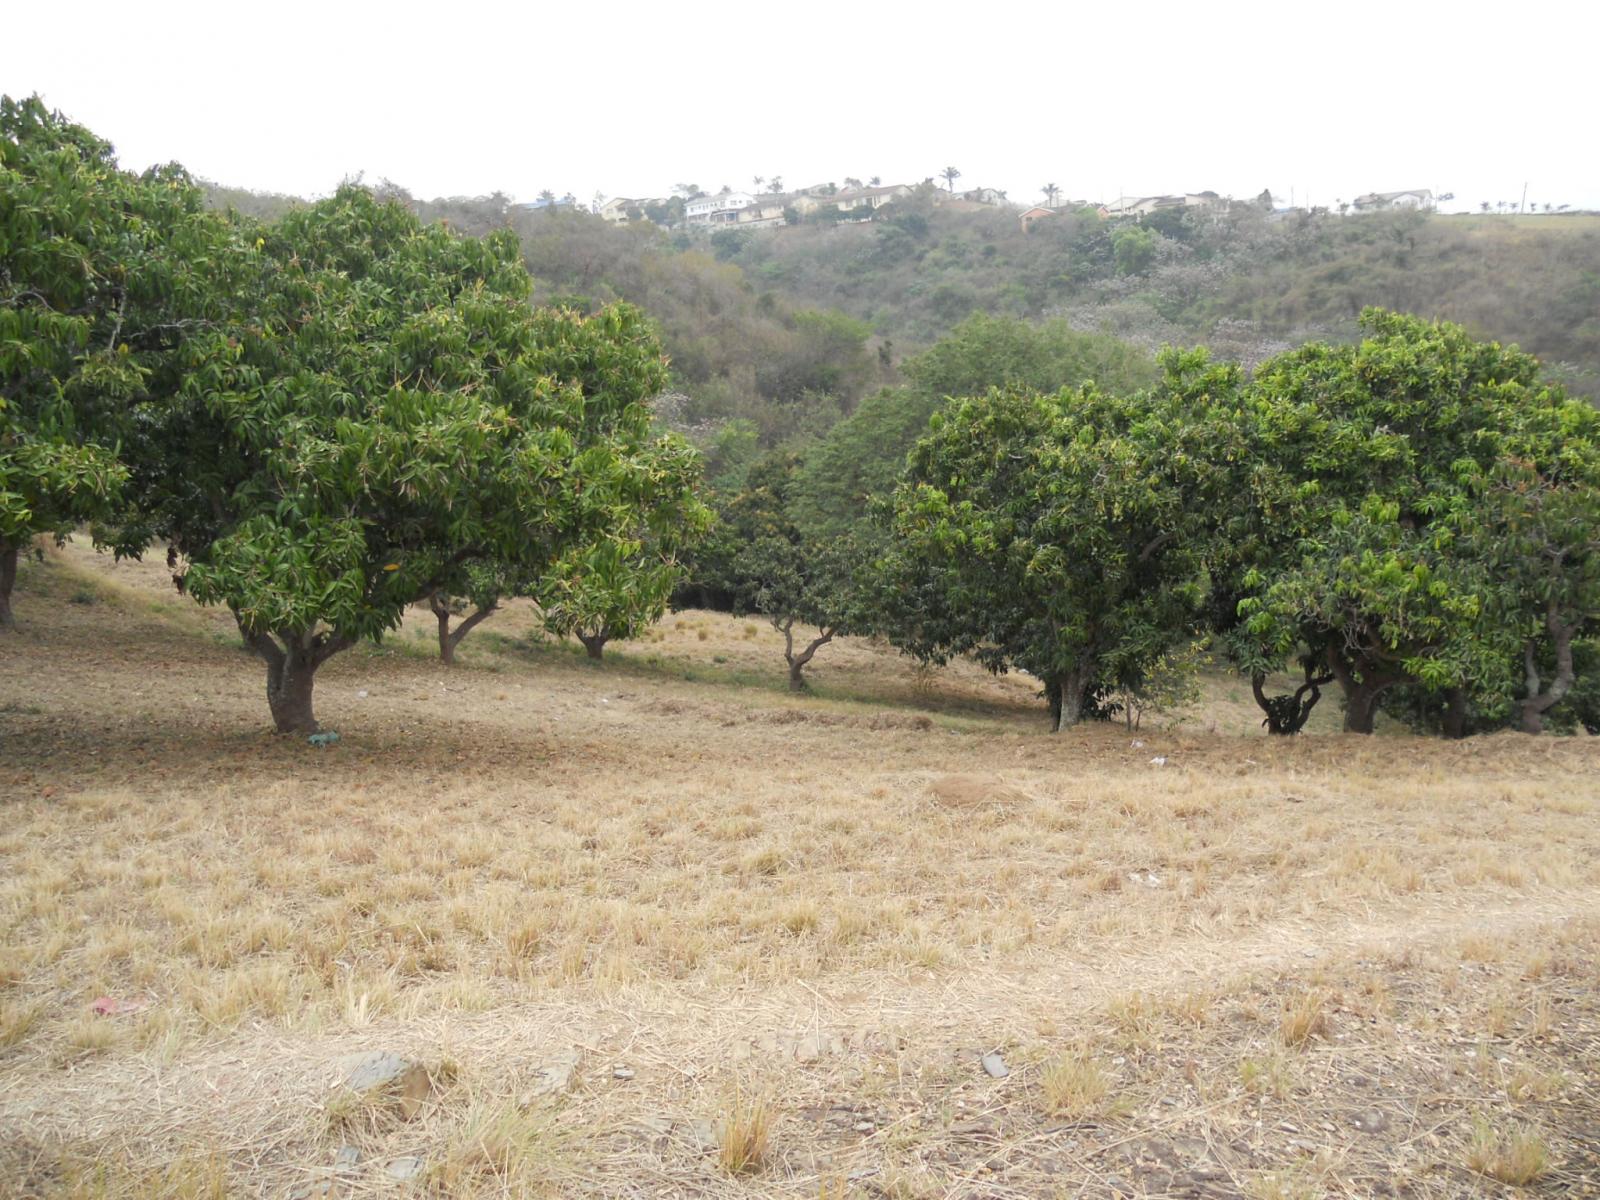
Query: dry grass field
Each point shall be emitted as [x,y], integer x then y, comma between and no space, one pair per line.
[657,928]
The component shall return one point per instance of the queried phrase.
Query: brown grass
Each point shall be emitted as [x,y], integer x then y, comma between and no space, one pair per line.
[669,863]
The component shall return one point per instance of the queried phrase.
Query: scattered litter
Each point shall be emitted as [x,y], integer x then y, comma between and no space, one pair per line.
[1159,760]
[1147,878]
[362,694]
[110,1006]
[322,740]
[995,1066]
[621,1072]
[1137,744]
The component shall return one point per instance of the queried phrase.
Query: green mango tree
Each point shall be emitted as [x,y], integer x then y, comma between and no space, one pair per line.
[1383,511]
[613,589]
[385,415]
[103,275]
[1069,535]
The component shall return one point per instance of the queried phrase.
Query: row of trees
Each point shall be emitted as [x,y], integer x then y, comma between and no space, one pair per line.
[325,419]
[1414,519]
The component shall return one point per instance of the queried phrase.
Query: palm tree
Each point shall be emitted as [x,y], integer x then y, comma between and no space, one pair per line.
[950,175]
[758,181]
[1050,191]
[875,181]
[776,183]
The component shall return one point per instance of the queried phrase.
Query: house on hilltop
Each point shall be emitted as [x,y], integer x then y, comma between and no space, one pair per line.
[721,209]
[1138,206]
[616,209]
[1416,198]
[864,200]
[982,195]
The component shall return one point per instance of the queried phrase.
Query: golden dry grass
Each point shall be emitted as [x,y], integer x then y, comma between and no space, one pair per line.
[693,883]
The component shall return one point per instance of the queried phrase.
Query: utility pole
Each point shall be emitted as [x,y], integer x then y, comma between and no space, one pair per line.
[1524,203]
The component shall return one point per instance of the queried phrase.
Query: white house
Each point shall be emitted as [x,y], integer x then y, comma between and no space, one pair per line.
[616,209]
[1379,201]
[983,195]
[721,209]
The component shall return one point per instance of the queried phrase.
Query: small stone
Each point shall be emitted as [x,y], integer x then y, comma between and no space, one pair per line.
[362,694]
[346,1159]
[864,1126]
[553,1076]
[621,1072]
[407,1083]
[404,1169]
[995,1066]
[704,1133]
[1371,1121]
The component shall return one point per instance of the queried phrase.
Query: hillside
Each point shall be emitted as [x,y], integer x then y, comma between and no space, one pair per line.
[1243,281]
[755,320]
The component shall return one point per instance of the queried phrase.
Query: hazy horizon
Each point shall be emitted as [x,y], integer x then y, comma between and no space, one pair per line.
[635,100]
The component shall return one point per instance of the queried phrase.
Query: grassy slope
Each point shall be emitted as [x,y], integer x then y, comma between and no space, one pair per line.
[1274,968]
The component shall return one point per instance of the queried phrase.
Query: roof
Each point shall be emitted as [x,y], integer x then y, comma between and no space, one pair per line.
[867,193]
[1392,195]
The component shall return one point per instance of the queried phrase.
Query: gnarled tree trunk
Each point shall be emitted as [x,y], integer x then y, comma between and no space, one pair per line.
[1287,715]
[1539,699]
[594,644]
[449,638]
[292,659]
[8,578]
[797,660]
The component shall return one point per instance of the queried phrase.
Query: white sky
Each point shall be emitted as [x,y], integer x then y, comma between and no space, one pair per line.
[629,98]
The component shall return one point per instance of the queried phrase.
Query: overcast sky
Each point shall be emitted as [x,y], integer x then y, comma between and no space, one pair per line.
[621,98]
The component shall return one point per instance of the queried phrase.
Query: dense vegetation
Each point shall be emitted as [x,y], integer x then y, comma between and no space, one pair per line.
[340,409]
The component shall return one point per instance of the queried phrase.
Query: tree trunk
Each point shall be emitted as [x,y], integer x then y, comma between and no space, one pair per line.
[1360,695]
[1360,708]
[292,660]
[8,578]
[1455,713]
[1538,702]
[289,684]
[1287,715]
[447,646]
[449,638]
[1070,699]
[594,644]
[797,662]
